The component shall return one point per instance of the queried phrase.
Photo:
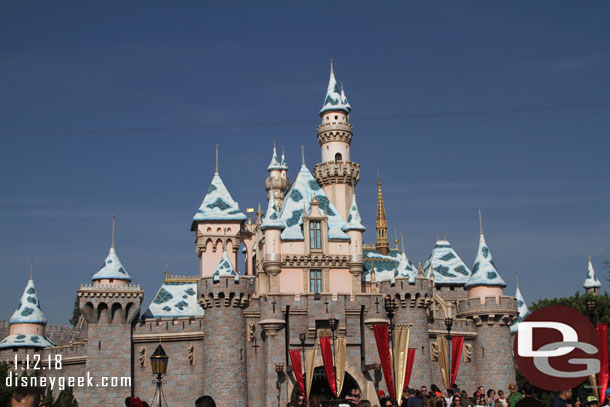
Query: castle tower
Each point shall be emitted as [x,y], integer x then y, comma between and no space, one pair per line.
[336,173]
[592,284]
[382,244]
[217,215]
[110,306]
[224,298]
[272,227]
[28,322]
[492,321]
[277,181]
[354,228]
[521,307]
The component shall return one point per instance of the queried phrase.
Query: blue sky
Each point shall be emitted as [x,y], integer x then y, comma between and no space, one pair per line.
[115,108]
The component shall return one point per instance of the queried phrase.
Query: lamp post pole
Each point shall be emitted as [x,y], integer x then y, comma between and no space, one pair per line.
[390,310]
[302,339]
[158,364]
[449,324]
[333,322]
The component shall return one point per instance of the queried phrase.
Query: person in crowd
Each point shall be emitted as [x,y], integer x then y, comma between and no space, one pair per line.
[364,403]
[300,399]
[514,395]
[405,397]
[592,401]
[353,396]
[491,397]
[440,401]
[205,401]
[423,390]
[528,399]
[502,398]
[291,404]
[449,397]
[314,401]
[479,400]
[457,401]
[607,399]
[428,401]
[26,397]
[562,399]
[388,402]
[413,400]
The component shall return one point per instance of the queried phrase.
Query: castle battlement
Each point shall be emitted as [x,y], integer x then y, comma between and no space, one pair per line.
[501,309]
[225,292]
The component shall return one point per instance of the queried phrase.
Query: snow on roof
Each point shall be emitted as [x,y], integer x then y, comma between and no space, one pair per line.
[272,218]
[175,299]
[484,270]
[522,308]
[218,204]
[390,267]
[275,163]
[283,162]
[333,99]
[592,281]
[298,198]
[112,268]
[225,268]
[29,311]
[447,265]
[354,221]
[21,341]
[344,99]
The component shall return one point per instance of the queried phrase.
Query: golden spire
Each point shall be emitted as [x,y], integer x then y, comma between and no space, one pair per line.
[166,267]
[31,265]
[382,224]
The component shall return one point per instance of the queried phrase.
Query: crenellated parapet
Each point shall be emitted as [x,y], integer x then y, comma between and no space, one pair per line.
[339,172]
[226,292]
[490,310]
[418,295]
[110,303]
[335,131]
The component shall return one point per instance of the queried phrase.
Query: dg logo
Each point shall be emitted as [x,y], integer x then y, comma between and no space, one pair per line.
[556,348]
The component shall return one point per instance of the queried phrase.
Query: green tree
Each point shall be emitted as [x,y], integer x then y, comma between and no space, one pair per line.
[75,313]
[65,398]
[5,391]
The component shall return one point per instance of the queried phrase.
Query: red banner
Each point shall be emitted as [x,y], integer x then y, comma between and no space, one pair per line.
[409,369]
[295,358]
[382,338]
[327,358]
[602,376]
[457,343]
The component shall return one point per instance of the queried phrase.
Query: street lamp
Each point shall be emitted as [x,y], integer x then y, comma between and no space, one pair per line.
[279,369]
[449,324]
[158,364]
[302,338]
[390,310]
[333,322]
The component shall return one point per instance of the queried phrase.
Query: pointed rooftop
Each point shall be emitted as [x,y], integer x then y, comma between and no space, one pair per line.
[275,163]
[218,204]
[354,221]
[591,281]
[333,100]
[112,268]
[299,198]
[445,266]
[225,268]
[484,270]
[272,217]
[406,268]
[29,311]
[283,161]
[344,99]
[176,298]
[521,307]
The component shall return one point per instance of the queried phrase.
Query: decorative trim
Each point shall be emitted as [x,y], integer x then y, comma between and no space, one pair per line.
[169,337]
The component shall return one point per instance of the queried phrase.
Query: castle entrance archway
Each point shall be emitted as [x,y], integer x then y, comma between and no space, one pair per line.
[320,388]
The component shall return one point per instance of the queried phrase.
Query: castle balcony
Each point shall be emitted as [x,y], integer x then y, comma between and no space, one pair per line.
[339,172]
[488,310]
[334,131]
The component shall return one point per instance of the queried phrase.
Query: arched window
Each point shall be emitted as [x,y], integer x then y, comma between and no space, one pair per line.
[338,157]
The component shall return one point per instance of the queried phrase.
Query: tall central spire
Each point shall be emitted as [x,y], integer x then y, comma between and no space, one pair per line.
[382,223]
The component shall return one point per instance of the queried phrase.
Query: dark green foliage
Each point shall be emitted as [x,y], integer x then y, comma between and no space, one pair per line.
[5,392]
[75,313]
[65,398]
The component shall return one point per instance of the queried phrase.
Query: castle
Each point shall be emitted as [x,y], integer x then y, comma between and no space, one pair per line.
[228,333]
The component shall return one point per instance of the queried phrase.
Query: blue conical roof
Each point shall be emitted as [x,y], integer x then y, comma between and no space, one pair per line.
[112,268]
[175,299]
[406,268]
[218,204]
[354,221]
[225,268]
[344,99]
[445,265]
[283,162]
[522,308]
[272,217]
[333,99]
[275,163]
[484,270]
[592,281]
[298,199]
[29,311]
[25,341]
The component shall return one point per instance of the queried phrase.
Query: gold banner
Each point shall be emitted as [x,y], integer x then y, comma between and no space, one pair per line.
[443,359]
[310,365]
[593,382]
[340,346]
[401,353]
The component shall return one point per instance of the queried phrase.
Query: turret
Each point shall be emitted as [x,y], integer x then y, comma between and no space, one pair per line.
[272,227]
[521,307]
[110,305]
[224,297]
[592,283]
[355,229]
[277,181]
[28,322]
[336,173]
[218,213]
